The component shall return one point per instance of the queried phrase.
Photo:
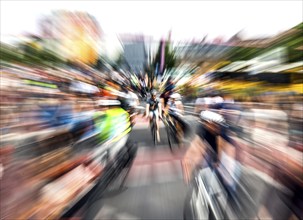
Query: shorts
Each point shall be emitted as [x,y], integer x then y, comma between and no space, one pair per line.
[154,112]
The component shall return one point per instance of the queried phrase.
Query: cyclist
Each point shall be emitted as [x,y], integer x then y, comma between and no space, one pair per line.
[175,109]
[175,104]
[129,102]
[209,133]
[153,109]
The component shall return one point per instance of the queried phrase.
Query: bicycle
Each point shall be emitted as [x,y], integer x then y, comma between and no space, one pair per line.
[172,132]
[153,126]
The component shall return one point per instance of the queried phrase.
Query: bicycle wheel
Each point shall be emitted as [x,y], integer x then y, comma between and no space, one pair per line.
[168,137]
[196,205]
[177,128]
[171,137]
[154,131]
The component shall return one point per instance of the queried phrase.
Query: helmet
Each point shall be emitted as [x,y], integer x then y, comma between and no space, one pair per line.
[153,92]
[176,96]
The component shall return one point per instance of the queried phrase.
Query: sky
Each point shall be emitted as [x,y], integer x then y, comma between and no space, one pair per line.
[186,19]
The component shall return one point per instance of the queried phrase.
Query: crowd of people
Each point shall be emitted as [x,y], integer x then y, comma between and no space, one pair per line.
[45,113]
[263,132]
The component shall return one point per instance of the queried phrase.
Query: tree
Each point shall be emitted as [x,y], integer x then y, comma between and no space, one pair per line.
[170,57]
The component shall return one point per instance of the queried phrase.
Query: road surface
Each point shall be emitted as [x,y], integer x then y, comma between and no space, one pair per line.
[154,188]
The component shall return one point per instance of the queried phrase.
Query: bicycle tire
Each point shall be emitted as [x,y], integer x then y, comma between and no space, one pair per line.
[190,209]
[154,131]
[171,135]
[176,124]
[168,138]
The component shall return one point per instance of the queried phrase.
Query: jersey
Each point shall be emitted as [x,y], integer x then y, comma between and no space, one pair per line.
[153,104]
[111,123]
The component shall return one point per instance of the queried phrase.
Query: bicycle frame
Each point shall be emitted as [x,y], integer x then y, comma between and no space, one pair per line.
[171,130]
[153,126]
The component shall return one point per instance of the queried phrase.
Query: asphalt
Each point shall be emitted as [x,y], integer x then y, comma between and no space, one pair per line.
[154,188]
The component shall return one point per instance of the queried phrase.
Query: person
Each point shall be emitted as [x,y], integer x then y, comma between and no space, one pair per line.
[175,104]
[129,99]
[231,111]
[175,109]
[110,119]
[133,99]
[209,133]
[169,90]
[164,97]
[153,109]
[132,103]
[202,102]
[170,85]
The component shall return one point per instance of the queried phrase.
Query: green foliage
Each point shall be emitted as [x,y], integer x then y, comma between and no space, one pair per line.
[170,57]
[299,26]
[242,53]
[290,42]
[188,90]
[120,60]
[27,54]
[10,54]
